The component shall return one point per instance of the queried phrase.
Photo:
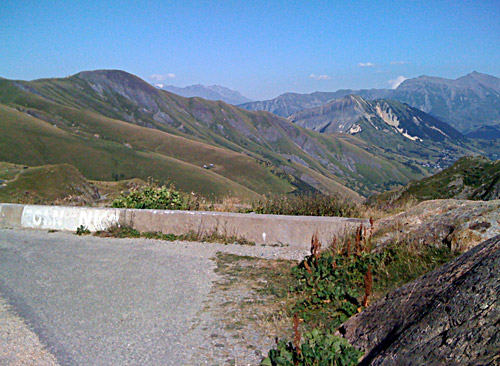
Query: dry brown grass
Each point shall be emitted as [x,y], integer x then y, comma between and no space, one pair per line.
[255,295]
[226,204]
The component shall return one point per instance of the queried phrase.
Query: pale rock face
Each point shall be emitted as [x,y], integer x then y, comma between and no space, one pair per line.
[387,116]
[405,134]
[355,129]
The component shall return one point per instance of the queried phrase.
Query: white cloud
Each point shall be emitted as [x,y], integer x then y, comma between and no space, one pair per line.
[394,83]
[366,64]
[398,62]
[319,77]
[162,77]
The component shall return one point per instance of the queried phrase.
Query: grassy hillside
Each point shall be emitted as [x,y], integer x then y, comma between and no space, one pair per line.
[44,184]
[119,113]
[472,178]
[228,163]
[28,140]
[112,189]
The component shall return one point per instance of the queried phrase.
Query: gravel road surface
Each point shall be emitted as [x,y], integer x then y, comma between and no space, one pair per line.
[102,301]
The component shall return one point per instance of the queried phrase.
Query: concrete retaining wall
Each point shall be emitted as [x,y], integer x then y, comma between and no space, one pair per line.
[295,231]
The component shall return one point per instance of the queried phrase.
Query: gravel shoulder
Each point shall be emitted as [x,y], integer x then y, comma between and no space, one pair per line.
[19,346]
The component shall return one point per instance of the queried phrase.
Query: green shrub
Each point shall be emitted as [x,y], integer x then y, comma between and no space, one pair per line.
[307,205]
[156,197]
[120,231]
[82,230]
[317,349]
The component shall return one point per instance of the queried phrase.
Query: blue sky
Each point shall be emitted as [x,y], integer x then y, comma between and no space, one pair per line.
[261,48]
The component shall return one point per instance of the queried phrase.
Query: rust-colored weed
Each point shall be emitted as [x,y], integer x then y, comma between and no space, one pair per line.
[333,245]
[348,248]
[368,286]
[315,246]
[308,268]
[296,333]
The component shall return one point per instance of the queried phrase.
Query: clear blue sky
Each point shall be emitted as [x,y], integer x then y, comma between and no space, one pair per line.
[261,48]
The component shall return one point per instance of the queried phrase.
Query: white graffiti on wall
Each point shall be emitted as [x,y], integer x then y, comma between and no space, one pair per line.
[68,218]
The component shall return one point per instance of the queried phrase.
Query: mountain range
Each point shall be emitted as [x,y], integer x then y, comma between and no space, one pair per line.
[109,123]
[289,103]
[212,92]
[392,125]
[466,103]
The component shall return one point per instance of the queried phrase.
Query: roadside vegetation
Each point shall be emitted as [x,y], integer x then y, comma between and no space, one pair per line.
[124,231]
[329,286]
[166,197]
[307,204]
[154,196]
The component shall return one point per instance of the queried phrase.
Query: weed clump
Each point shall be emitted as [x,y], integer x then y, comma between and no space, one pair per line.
[316,204]
[336,283]
[82,230]
[317,349]
[153,196]
[330,285]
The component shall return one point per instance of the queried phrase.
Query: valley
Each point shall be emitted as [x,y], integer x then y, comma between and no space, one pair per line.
[112,125]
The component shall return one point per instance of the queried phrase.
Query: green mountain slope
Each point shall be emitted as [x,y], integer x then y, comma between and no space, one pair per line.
[26,139]
[44,184]
[472,178]
[249,169]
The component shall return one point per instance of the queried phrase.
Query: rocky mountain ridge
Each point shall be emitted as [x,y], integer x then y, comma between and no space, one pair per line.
[289,103]
[388,124]
[465,103]
[469,101]
[347,114]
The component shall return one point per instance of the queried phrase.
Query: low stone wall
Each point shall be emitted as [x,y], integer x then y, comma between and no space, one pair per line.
[294,231]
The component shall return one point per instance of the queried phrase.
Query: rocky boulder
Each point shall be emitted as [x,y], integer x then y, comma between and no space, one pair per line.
[457,224]
[450,316]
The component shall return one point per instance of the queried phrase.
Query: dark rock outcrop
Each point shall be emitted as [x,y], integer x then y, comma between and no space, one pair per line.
[451,316]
